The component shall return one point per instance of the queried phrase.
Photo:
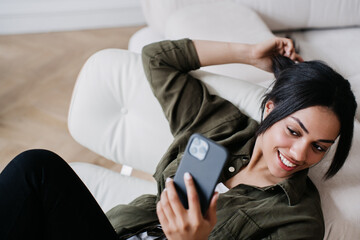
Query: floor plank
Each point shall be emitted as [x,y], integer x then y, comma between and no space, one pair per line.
[37,76]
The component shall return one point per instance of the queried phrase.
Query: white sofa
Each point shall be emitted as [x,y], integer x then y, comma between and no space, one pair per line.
[114,113]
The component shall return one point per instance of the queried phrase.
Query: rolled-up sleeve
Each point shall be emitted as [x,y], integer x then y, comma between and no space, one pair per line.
[166,66]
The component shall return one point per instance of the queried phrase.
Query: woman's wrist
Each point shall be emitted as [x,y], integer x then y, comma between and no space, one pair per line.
[215,53]
[242,53]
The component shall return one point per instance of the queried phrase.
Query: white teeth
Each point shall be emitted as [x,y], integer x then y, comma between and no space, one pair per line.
[286,162]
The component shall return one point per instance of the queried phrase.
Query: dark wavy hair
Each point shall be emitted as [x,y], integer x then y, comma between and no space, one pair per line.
[307,84]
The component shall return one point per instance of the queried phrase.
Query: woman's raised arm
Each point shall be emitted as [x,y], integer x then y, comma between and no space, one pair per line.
[258,55]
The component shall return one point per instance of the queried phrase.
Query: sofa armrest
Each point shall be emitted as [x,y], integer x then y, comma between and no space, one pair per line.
[114,113]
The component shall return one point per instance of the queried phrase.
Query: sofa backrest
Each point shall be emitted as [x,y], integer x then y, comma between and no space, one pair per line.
[337,47]
[278,14]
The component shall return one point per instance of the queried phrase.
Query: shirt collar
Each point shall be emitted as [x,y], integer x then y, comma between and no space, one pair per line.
[294,187]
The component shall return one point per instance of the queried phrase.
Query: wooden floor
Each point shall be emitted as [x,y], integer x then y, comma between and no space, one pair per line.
[37,76]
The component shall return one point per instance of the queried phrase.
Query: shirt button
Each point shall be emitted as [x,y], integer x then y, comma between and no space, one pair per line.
[231,169]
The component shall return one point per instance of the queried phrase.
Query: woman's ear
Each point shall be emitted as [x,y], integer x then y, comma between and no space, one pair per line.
[269,106]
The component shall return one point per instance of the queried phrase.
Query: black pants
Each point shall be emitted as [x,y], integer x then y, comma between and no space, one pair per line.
[41,197]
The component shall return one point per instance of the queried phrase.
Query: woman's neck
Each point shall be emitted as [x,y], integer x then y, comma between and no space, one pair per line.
[256,173]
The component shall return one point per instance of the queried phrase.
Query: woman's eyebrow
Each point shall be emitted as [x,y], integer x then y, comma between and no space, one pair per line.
[301,124]
[304,128]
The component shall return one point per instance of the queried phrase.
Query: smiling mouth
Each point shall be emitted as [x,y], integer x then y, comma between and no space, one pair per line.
[285,163]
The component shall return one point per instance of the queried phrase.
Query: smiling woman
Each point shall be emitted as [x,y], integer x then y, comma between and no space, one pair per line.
[303,115]
[265,192]
[309,84]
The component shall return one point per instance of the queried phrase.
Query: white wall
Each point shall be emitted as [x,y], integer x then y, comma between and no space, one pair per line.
[31,16]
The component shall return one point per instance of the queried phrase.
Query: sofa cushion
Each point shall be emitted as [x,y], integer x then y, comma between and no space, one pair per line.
[306,14]
[114,113]
[143,37]
[110,188]
[207,21]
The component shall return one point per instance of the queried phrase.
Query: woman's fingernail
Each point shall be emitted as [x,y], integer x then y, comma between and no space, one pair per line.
[187,176]
[168,179]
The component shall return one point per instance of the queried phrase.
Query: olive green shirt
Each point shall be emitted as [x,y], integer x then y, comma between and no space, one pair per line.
[288,210]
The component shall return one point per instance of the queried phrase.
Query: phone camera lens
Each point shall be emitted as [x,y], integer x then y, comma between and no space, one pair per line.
[193,150]
[196,141]
[202,150]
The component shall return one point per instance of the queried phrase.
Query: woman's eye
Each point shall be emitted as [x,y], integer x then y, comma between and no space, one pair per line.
[319,148]
[292,132]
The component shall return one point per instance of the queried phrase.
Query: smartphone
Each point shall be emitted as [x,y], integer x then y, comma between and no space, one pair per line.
[204,160]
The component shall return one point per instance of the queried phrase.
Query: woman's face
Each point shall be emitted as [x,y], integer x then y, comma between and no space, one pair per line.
[298,141]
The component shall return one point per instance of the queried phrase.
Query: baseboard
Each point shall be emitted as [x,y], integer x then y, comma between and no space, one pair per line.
[47,16]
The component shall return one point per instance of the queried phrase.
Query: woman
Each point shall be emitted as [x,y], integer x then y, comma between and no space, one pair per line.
[265,191]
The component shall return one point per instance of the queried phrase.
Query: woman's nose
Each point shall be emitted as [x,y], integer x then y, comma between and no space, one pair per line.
[299,151]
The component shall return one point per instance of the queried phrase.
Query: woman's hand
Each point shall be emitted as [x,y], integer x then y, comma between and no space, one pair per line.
[180,223]
[262,53]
